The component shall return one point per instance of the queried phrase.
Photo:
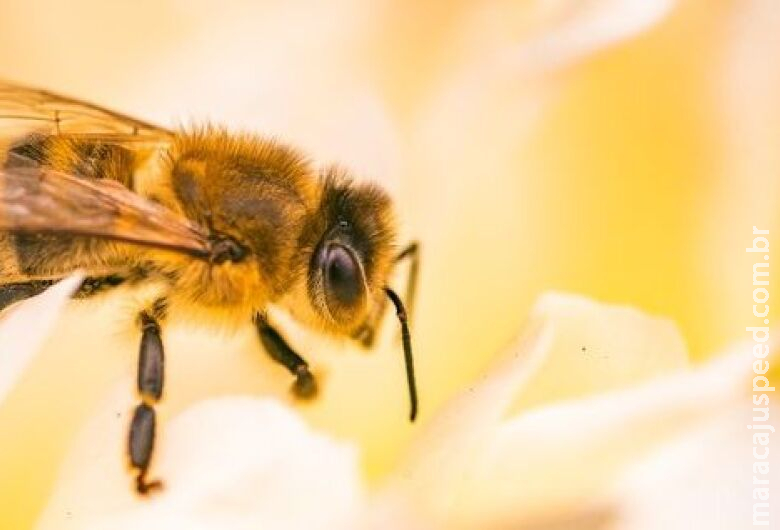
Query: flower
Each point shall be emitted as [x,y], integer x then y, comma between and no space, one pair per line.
[19,345]
[617,447]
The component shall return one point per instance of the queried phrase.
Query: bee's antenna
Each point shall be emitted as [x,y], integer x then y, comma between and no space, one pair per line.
[406,338]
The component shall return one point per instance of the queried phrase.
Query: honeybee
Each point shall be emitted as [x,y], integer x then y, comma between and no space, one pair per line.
[230,223]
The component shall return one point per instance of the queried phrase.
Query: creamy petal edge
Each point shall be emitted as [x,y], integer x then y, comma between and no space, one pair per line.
[24,329]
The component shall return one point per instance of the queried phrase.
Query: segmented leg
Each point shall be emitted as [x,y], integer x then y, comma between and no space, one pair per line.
[412,253]
[151,372]
[305,385]
[16,292]
[366,334]
[98,284]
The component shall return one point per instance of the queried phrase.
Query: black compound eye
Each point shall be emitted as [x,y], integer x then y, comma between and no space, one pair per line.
[343,277]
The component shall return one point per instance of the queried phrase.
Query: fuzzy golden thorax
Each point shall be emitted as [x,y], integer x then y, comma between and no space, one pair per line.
[255,192]
[320,246]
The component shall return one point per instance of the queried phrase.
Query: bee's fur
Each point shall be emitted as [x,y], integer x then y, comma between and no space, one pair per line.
[240,222]
[263,194]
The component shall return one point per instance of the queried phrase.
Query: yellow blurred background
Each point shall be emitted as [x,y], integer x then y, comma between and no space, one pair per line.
[526,149]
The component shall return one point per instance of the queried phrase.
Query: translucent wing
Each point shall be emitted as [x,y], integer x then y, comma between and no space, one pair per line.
[26,110]
[40,200]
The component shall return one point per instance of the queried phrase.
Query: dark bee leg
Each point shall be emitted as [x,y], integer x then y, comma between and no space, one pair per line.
[366,334]
[411,252]
[98,284]
[305,386]
[151,365]
[16,292]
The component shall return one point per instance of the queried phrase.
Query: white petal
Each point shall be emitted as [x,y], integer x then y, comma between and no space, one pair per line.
[455,466]
[701,480]
[25,328]
[582,28]
[599,347]
[433,470]
[226,463]
[570,454]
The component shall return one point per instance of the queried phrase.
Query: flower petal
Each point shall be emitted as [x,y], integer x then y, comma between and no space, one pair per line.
[703,479]
[227,463]
[25,328]
[581,28]
[432,471]
[455,466]
[569,454]
[600,347]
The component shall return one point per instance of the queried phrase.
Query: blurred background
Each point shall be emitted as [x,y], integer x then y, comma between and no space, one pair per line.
[621,150]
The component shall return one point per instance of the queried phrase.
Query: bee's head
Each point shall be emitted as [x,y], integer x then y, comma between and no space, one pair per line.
[350,248]
[348,244]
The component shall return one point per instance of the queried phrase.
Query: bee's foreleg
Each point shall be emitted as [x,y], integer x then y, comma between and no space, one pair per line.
[412,253]
[366,334]
[305,386]
[151,364]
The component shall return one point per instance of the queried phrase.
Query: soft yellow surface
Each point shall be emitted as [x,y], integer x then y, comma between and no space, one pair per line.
[634,175]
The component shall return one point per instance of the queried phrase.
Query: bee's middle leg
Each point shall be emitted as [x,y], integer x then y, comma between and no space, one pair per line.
[305,386]
[151,371]
[18,291]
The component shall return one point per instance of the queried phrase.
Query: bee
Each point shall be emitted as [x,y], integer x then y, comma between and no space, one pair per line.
[227,223]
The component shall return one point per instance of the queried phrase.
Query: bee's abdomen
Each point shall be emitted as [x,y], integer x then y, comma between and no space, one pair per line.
[89,158]
[46,254]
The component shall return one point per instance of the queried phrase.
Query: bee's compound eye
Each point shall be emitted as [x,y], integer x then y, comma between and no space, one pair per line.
[343,276]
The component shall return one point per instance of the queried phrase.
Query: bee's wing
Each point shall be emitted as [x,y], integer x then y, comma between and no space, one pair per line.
[26,110]
[41,200]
